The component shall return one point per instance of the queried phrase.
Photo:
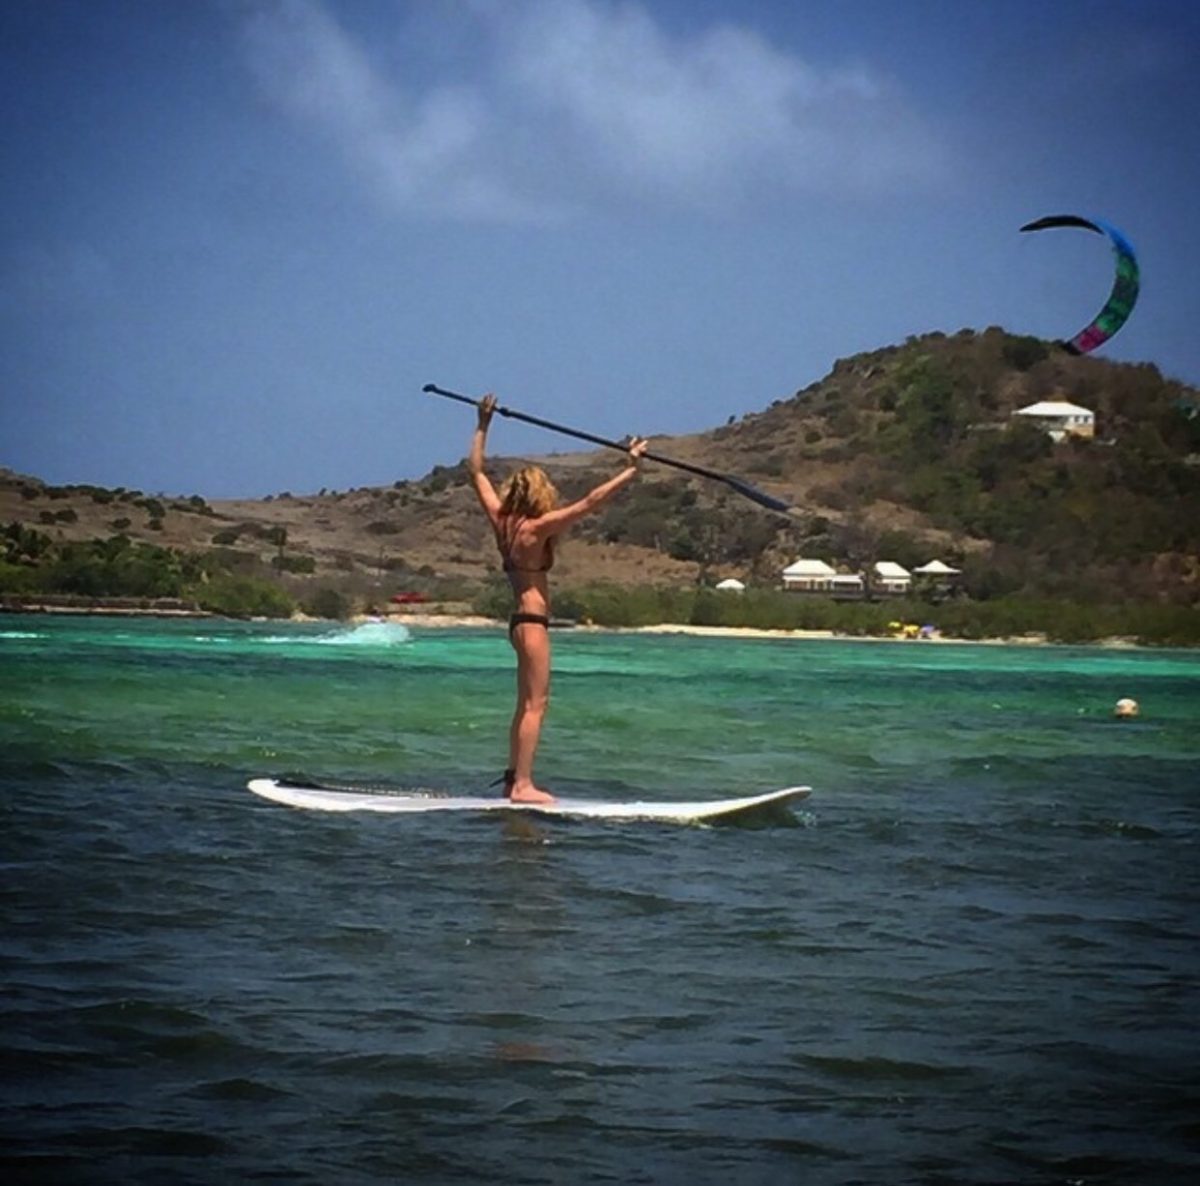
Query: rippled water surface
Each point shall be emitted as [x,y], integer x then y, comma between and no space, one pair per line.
[974,960]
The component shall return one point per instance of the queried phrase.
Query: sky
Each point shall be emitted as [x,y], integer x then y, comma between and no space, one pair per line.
[237,237]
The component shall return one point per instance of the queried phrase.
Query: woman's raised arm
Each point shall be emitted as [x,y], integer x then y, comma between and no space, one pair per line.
[484,490]
[559,520]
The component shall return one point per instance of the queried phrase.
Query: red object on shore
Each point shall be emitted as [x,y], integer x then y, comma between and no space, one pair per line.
[411,598]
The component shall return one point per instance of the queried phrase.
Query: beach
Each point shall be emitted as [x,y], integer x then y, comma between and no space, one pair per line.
[476,621]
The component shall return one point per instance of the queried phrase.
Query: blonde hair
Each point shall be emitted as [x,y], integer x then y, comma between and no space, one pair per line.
[527,493]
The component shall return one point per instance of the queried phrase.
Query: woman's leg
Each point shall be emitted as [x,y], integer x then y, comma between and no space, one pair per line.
[531,641]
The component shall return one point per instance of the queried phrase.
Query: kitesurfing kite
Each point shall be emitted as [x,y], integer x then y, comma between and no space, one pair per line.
[1125,287]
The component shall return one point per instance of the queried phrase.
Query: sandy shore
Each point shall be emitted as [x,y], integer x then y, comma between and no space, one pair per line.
[753,632]
[105,611]
[474,620]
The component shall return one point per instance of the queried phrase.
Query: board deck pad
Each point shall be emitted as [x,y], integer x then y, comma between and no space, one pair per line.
[322,796]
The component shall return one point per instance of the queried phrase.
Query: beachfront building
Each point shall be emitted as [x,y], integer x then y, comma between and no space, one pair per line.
[937,578]
[891,579]
[1060,418]
[815,576]
[936,568]
[808,576]
[847,586]
[731,585]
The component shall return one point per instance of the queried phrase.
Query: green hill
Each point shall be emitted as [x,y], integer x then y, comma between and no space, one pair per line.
[913,450]
[906,453]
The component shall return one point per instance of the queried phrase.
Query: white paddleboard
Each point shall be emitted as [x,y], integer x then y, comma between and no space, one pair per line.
[326,798]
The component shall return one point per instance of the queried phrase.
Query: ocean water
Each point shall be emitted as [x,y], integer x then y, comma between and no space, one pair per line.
[974,959]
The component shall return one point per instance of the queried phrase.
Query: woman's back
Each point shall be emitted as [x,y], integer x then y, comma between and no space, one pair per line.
[527,557]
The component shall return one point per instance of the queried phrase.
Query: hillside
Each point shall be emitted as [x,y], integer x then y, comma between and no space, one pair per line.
[905,453]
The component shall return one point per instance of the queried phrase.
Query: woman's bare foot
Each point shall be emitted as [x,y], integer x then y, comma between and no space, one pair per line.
[526,792]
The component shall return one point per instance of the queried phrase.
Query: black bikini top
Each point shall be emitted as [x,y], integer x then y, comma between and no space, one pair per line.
[505,541]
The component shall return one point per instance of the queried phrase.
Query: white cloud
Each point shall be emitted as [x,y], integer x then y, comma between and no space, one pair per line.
[570,105]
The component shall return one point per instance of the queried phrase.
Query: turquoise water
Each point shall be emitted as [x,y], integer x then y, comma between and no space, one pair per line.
[974,959]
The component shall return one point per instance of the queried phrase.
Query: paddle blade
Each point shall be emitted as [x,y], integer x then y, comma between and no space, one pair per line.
[756,495]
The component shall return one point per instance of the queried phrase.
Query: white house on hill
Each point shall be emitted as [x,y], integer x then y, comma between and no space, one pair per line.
[1061,419]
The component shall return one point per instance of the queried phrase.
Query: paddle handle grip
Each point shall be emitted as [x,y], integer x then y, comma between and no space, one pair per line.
[512,414]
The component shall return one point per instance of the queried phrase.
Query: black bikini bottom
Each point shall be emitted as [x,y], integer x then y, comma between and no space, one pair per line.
[530,619]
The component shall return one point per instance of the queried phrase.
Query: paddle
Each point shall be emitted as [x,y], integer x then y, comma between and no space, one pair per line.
[743,488]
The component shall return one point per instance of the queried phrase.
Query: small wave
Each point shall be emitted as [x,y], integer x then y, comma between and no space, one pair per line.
[145,1141]
[877,1068]
[236,1089]
[1119,827]
[367,634]
[20,634]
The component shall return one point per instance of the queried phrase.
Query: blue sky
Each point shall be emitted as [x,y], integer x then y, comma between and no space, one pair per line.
[237,237]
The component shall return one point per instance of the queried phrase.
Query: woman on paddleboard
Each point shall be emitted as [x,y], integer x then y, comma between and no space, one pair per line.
[527,520]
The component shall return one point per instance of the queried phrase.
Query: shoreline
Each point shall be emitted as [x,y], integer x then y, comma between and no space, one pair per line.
[106,611]
[449,621]
[471,621]
[747,632]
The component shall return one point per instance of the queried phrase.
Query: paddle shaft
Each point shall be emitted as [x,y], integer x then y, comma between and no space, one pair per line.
[737,484]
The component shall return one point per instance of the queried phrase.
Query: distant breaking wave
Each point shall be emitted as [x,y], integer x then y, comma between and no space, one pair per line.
[367,634]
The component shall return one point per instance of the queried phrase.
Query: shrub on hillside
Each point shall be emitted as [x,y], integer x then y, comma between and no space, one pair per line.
[327,603]
[300,564]
[1021,353]
[243,597]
